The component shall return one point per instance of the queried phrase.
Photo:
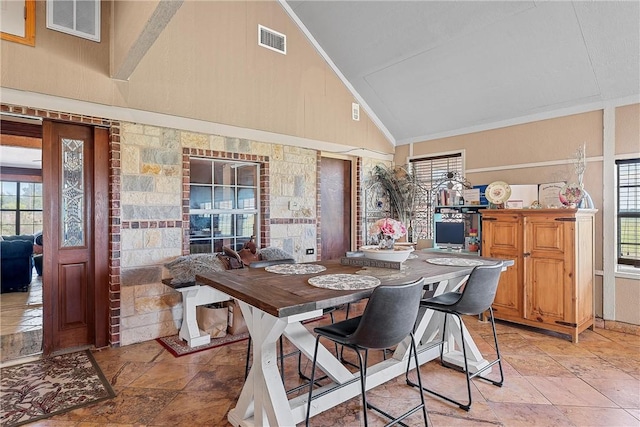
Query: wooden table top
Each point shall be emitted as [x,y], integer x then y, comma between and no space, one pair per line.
[285,295]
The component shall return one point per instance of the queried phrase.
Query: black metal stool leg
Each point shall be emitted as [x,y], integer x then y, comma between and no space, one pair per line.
[246,366]
[363,383]
[312,379]
[281,359]
[466,366]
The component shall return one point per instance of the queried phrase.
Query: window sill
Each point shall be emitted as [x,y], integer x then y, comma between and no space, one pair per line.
[627,272]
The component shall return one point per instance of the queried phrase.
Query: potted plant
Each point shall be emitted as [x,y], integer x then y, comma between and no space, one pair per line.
[474,244]
[404,191]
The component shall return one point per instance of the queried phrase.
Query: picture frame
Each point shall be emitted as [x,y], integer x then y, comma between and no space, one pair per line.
[514,204]
[548,194]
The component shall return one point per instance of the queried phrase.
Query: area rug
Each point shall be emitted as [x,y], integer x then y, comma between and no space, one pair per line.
[176,346]
[50,386]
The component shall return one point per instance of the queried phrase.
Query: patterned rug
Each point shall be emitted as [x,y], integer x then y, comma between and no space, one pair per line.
[178,347]
[51,386]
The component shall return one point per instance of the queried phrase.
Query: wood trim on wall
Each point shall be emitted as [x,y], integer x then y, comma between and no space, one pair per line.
[20,141]
[22,130]
[20,174]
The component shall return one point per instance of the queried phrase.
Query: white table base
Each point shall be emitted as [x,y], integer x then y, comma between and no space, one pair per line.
[263,400]
[193,296]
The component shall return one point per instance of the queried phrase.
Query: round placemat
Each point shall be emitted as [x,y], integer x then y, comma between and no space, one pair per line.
[457,262]
[295,268]
[344,282]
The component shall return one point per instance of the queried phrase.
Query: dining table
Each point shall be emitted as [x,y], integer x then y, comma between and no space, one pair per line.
[276,303]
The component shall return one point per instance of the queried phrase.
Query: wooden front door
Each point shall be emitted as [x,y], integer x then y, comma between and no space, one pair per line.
[75,236]
[335,203]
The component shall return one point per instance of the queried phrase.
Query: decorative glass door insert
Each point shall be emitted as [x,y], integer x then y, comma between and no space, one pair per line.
[72,194]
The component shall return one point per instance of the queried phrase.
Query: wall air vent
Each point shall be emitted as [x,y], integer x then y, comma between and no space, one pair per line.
[272,39]
[79,18]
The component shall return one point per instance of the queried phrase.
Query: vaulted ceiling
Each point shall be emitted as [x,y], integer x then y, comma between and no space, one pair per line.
[429,69]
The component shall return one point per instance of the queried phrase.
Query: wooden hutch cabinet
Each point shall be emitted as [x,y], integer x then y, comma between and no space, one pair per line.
[550,285]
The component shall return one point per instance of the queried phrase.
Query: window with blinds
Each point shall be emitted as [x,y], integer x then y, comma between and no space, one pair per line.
[432,172]
[629,211]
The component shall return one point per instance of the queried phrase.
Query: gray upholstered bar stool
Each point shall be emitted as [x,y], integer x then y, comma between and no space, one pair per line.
[388,318]
[476,298]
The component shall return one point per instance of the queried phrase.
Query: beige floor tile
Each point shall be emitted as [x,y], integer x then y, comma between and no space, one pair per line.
[574,390]
[634,412]
[223,383]
[620,337]
[625,393]
[630,366]
[514,344]
[514,390]
[121,374]
[565,348]
[142,352]
[613,349]
[448,382]
[130,406]
[542,365]
[592,367]
[526,415]
[589,335]
[200,357]
[167,376]
[443,413]
[196,408]
[598,417]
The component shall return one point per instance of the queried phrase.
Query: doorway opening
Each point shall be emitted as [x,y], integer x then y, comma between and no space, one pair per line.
[21,221]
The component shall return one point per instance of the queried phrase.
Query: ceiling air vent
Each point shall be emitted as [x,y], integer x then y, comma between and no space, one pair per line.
[272,39]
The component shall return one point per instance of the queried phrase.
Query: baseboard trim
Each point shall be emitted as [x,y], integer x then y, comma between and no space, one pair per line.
[616,326]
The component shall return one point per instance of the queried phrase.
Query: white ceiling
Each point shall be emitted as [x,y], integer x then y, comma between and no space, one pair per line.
[428,69]
[20,157]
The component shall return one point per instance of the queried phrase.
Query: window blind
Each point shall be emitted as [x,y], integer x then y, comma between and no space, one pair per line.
[431,171]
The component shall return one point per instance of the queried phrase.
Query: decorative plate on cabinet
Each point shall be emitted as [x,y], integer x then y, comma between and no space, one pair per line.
[498,192]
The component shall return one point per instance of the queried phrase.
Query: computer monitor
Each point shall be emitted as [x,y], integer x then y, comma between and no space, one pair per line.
[450,235]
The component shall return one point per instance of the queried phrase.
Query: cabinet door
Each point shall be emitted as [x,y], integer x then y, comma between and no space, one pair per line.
[548,270]
[501,238]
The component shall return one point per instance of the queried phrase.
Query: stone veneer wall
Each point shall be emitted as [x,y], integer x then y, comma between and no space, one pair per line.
[148,211]
[154,202]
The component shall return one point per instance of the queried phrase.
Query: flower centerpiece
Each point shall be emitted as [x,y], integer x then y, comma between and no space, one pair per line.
[388,230]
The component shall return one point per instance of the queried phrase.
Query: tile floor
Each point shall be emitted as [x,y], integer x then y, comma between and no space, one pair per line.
[21,322]
[549,382]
